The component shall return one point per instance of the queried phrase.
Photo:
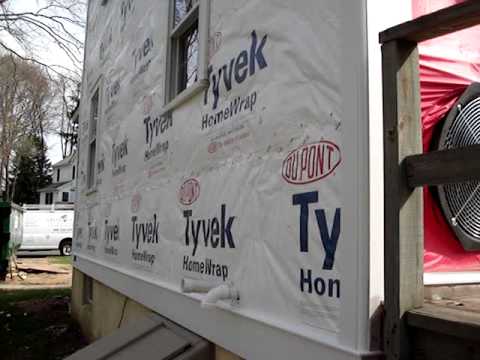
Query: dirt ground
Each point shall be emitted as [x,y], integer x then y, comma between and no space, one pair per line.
[35,321]
[40,271]
[36,324]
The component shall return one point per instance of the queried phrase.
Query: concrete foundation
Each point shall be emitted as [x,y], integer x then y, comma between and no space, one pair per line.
[108,310]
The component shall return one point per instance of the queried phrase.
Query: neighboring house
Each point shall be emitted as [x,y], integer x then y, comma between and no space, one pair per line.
[62,189]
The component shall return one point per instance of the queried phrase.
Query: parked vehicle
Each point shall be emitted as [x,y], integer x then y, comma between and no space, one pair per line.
[48,227]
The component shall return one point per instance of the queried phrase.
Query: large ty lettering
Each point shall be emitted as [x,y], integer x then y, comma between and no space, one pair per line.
[328,234]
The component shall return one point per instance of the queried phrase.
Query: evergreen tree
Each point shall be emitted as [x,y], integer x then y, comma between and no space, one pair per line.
[42,163]
[31,171]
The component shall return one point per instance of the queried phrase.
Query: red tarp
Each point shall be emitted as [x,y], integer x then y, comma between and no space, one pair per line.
[447,66]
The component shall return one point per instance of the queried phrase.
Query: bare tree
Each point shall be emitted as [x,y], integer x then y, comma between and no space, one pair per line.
[61,22]
[68,101]
[25,106]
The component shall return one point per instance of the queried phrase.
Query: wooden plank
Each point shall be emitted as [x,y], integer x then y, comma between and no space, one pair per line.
[444,167]
[403,206]
[433,345]
[436,24]
[452,321]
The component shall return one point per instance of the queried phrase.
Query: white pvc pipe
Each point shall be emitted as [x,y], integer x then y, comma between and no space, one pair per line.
[221,292]
[196,286]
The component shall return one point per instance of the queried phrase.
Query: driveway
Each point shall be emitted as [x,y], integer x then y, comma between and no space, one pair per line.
[40,271]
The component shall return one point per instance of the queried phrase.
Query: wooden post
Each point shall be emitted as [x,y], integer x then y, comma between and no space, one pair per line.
[403,206]
[402,138]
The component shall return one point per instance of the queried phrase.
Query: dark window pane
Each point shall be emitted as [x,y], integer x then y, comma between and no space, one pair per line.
[182,7]
[87,290]
[65,196]
[94,114]
[91,164]
[188,60]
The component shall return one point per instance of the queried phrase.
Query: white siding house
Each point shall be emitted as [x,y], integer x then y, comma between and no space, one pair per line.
[62,189]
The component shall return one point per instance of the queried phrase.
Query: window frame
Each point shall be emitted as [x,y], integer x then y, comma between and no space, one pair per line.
[93,136]
[87,290]
[200,13]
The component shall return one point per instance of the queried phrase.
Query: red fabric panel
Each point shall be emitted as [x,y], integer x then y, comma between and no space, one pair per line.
[447,66]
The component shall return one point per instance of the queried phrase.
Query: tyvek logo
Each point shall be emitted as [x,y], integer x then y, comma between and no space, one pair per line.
[119,151]
[215,232]
[145,232]
[311,162]
[112,92]
[329,237]
[244,65]
[112,231]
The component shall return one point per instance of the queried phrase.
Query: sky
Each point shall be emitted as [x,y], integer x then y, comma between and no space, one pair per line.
[49,54]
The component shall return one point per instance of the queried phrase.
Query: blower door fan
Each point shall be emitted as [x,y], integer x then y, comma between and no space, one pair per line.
[461,202]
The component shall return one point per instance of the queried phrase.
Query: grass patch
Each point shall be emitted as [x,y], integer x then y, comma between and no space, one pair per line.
[9,298]
[35,324]
[60,260]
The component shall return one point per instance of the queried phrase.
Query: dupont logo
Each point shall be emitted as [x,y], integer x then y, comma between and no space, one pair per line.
[213,147]
[311,162]
[189,192]
[147,104]
[136,202]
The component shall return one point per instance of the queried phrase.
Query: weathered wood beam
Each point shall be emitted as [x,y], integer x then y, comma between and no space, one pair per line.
[436,24]
[443,167]
[452,321]
[403,232]
[444,332]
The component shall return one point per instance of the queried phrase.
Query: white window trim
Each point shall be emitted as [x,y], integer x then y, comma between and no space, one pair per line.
[203,8]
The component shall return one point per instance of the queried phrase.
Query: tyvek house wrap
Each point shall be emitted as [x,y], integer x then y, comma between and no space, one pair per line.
[251,183]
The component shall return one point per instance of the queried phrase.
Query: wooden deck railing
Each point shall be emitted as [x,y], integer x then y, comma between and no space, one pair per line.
[406,169]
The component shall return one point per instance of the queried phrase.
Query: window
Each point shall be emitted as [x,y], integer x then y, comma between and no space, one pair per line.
[58,175]
[48,198]
[87,290]
[64,196]
[94,112]
[188,44]
[73,172]
[188,58]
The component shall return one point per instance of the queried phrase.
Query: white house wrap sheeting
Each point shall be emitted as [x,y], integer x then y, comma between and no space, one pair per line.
[260,181]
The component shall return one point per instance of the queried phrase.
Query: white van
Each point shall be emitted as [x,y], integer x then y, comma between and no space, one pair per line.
[48,227]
